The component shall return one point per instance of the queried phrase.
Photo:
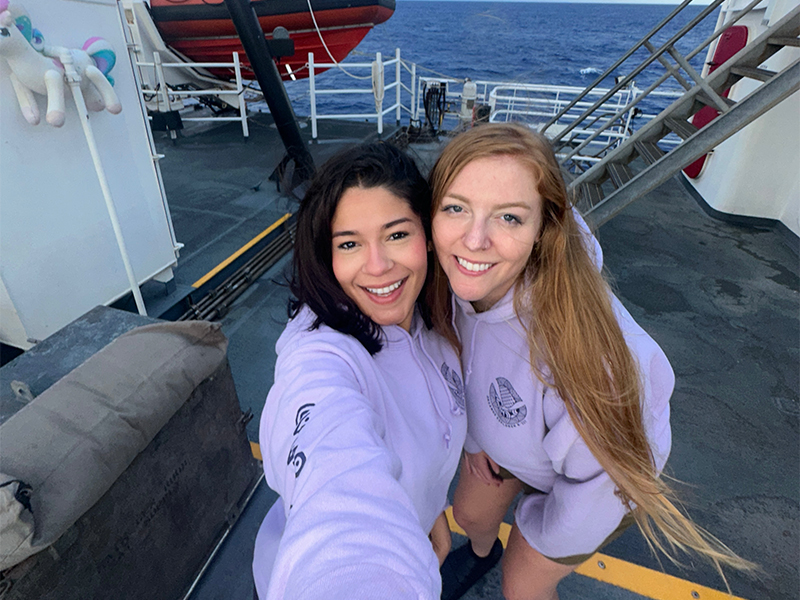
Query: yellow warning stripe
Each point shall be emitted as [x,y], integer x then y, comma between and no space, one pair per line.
[614,571]
[647,582]
[205,278]
[256,450]
[622,574]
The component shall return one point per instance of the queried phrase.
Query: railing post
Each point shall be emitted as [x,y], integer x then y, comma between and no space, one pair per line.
[379,91]
[629,115]
[161,83]
[240,94]
[313,93]
[414,111]
[397,82]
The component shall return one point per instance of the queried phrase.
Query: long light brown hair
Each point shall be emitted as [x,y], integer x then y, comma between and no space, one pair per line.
[575,340]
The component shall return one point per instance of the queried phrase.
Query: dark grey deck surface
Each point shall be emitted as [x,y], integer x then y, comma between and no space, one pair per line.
[722,301]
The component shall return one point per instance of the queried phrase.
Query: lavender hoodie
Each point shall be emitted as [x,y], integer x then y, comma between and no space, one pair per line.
[362,450]
[523,425]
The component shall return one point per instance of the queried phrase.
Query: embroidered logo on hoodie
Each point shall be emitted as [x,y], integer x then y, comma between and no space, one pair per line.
[298,459]
[507,406]
[455,385]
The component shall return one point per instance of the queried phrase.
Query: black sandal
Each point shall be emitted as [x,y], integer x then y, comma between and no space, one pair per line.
[463,568]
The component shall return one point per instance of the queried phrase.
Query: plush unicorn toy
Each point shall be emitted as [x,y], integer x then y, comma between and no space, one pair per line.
[37,67]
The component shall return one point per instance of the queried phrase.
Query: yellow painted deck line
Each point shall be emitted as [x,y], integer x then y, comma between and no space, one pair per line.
[619,573]
[622,574]
[505,528]
[241,251]
[256,450]
[647,582]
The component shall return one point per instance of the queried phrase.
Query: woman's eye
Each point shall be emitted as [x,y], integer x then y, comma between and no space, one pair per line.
[398,235]
[511,219]
[346,246]
[452,208]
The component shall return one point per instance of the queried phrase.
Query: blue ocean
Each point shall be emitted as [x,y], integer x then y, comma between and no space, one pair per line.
[525,42]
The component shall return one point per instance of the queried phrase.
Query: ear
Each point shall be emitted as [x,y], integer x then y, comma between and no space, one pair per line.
[6,19]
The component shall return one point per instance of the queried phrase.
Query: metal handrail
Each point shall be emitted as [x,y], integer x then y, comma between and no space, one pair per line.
[380,112]
[162,88]
[650,59]
[650,90]
[656,54]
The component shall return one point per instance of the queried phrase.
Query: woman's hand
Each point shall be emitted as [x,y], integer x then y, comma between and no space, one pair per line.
[440,538]
[483,467]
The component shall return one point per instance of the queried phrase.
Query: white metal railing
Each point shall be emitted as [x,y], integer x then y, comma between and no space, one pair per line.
[539,103]
[167,97]
[535,104]
[378,89]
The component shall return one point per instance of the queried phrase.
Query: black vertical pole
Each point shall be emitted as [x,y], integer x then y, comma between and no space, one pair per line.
[255,46]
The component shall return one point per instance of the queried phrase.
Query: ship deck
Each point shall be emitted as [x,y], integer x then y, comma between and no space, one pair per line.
[721,299]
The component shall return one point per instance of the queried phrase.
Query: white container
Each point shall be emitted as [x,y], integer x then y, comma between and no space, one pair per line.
[468,96]
[58,254]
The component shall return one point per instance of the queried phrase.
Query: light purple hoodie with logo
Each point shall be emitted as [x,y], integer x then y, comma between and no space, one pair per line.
[362,450]
[523,425]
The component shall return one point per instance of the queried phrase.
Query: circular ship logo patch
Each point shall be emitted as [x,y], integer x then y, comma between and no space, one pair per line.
[455,385]
[506,405]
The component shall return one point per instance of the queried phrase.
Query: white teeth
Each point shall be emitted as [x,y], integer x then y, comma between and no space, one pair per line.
[385,290]
[473,266]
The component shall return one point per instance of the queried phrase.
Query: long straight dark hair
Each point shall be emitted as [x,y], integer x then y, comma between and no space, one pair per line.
[313,283]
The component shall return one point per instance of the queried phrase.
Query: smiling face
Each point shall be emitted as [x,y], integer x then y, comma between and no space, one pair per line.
[379,254]
[485,227]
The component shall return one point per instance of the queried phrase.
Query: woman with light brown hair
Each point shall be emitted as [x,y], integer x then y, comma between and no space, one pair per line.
[567,397]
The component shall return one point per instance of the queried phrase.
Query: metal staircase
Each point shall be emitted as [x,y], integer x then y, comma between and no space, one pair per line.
[606,181]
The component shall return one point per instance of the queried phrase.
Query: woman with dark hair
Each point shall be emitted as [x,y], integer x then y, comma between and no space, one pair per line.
[567,397]
[363,428]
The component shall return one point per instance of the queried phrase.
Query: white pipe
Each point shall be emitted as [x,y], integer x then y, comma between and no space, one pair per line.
[414,107]
[74,81]
[242,106]
[312,88]
[160,81]
[397,82]
[377,89]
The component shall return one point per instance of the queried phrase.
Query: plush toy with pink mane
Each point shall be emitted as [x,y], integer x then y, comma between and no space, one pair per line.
[38,68]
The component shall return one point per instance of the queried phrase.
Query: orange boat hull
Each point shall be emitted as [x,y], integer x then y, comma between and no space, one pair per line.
[205,33]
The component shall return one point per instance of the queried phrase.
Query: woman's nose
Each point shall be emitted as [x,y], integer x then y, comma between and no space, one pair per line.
[477,237]
[378,261]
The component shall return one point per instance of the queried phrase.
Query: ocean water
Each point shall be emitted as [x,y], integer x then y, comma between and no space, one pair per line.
[525,42]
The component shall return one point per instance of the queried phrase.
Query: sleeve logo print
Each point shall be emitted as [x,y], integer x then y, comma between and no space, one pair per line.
[298,459]
[455,385]
[507,406]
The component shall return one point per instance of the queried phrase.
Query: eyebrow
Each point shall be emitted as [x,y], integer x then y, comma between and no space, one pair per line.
[388,225]
[522,205]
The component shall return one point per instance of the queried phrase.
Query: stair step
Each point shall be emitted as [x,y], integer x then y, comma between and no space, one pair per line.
[702,97]
[591,194]
[683,129]
[620,174]
[753,73]
[784,41]
[649,151]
